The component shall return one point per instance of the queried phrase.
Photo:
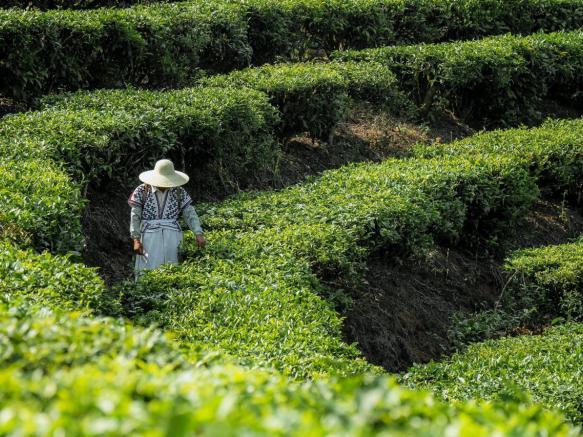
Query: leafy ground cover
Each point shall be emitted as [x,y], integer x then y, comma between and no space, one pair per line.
[547,367]
[166,44]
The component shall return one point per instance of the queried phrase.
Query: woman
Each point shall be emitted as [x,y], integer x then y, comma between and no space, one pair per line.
[156,206]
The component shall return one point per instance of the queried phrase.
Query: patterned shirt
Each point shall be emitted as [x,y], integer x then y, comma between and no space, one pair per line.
[153,204]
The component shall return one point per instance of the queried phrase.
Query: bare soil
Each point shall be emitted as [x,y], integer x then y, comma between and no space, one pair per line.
[402,312]
[9,106]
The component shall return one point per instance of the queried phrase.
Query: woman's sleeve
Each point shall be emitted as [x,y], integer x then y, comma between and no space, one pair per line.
[137,197]
[191,218]
[135,222]
[136,201]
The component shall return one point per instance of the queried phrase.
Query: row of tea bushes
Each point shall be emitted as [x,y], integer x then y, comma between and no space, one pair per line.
[53,281]
[40,205]
[103,133]
[121,380]
[547,367]
[544,285]
[290,28]
[553,152]
[167,44]
[313,97]
[549,280]
[150,46]
[247,291]
[46,5]
[499,80]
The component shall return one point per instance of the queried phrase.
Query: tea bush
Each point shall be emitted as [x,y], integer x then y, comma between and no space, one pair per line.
[313,97]
[155,45]
[37,202]
[264,247]
[101,133]
[166,44]
[553,152]
[548,280]
[53,281]
[293,27]
[497,80]
[62,371]
[37,338]
[114,398]
[544,285]
[547,367]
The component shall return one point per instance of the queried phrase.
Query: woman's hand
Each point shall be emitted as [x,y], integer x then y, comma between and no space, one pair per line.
[200,241]
[138,247]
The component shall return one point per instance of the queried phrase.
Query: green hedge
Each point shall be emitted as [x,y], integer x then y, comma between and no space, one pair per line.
[284,28]
[46,5]
[159,45]
[247,291]
[547,367]
[39,205]
[313,97]
[116,399]
[499,80]
[165,45]
[553,151]
[550,279]
[53,281]
[107,133]
[62,372]
[43,336]
[544,286]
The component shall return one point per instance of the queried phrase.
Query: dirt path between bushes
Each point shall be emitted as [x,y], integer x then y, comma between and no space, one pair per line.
[402,312]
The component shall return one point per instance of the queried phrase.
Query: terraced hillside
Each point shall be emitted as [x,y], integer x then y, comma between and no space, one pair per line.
[310,295]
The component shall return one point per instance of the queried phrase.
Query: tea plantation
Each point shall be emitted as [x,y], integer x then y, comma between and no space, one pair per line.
[245,336]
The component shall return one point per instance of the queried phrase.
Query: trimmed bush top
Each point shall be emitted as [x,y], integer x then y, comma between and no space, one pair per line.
[547,367]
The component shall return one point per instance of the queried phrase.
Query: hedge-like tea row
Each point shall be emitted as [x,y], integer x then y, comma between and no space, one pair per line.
[550,279]
[547,367]
[63,372]
[53,281]
[46,5]
[313,96]
[165,45]
[496,80]
[544,285]
[290,27]
[248,292]
[554,152]
[39,205]
[99,133]
[157,45]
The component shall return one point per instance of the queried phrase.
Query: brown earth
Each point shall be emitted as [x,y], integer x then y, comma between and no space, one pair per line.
[402,312]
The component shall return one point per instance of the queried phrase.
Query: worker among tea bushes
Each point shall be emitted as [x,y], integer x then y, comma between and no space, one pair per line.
[156,207]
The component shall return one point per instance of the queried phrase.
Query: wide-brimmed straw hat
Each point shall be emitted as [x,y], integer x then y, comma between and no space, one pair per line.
[164,175]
